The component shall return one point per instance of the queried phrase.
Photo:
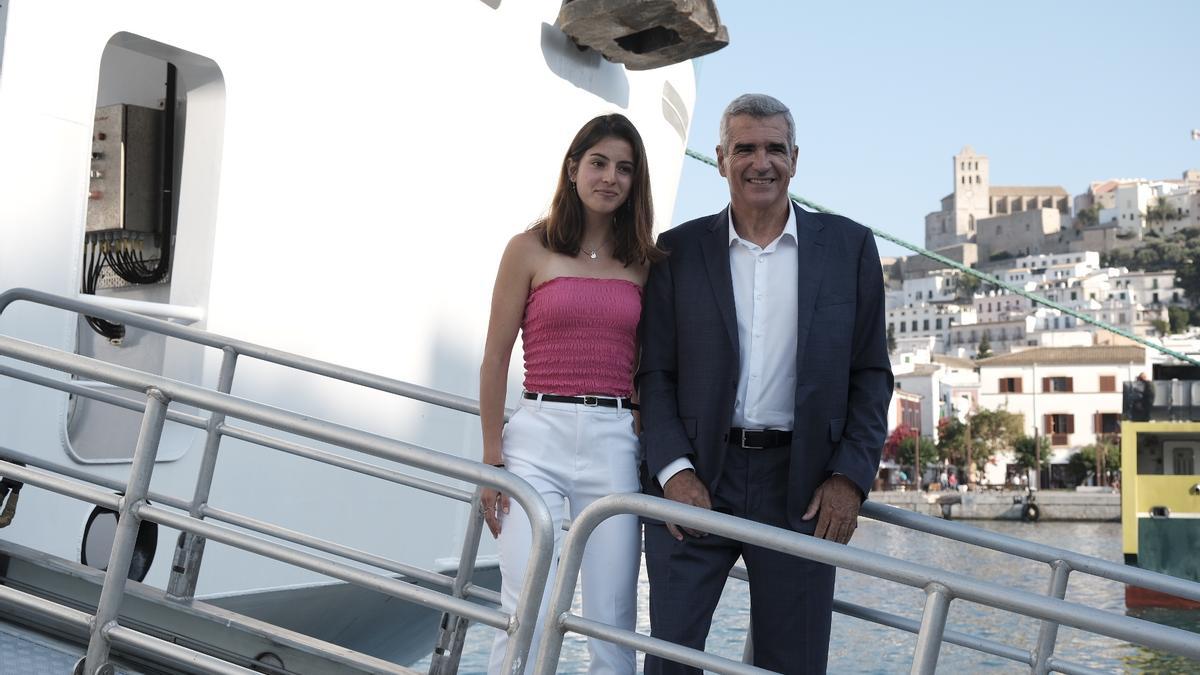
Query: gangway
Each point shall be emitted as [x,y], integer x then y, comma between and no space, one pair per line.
[109,624]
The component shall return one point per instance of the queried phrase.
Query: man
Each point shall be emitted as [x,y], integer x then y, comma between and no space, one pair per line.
[764,386]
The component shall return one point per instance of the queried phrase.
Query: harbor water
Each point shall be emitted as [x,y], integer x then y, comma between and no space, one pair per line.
[861,647]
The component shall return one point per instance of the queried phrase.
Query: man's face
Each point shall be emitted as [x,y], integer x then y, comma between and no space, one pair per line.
[757,161]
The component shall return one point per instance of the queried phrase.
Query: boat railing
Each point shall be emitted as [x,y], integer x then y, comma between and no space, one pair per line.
[134,505]
[941,588]
[189,558]
[445,658]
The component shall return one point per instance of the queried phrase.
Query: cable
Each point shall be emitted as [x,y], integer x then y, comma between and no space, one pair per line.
[984,277]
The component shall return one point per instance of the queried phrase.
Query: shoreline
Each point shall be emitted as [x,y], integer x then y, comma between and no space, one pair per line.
[1060,505]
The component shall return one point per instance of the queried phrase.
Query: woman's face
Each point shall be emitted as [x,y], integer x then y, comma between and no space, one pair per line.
[604,175]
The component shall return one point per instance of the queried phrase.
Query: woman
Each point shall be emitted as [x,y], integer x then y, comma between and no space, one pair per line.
[573,284]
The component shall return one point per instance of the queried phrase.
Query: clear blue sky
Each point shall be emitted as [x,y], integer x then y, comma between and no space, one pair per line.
[884,94]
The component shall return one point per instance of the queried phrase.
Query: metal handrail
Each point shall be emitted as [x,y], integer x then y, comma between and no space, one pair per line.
[940,586]
[161,392]
[189,558]
[243,348]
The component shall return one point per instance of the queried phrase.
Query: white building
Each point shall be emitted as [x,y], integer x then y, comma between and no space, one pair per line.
[927,320]
[1070,395]
[937,287]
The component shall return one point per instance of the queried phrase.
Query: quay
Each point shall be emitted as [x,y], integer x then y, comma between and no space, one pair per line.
[1082,505]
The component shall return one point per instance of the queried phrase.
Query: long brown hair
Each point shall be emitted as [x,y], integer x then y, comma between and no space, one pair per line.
[561,230]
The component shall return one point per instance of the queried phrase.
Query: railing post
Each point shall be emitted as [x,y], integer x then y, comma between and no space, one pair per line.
[1048,635]
[453,628]
[189,552]
[933,626]
[128,525]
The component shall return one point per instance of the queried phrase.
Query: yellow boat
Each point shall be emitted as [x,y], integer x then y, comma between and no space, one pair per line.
[1160,505]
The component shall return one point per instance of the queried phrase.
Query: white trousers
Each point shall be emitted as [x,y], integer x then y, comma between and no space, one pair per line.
[574,454]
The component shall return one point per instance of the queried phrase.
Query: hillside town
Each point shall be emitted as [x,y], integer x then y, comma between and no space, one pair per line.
[996,391]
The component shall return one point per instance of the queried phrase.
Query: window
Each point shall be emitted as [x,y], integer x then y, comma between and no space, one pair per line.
[1108,383]
[1107,423]
[914,325]
[1009,385]
[925,325]
[1073,295]
[1057,384]
[938,324]
[902,326]
[1058,426]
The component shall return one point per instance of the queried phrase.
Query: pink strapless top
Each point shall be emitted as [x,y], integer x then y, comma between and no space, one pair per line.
[580,335]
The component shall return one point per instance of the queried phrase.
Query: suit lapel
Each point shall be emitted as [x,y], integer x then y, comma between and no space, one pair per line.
[715,248]
[811,256]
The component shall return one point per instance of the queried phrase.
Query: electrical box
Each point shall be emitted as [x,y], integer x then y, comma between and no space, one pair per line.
[125,185]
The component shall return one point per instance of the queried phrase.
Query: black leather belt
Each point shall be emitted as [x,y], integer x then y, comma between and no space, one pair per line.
[590,401]
[758,439]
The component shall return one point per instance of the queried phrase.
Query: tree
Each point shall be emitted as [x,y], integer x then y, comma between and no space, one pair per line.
[1161,212]
[1179,318]
[1161,327]
[993,431]
[985,347]
[891,338]
[891,447]
[968,284]
[1086,462]
[906,451]
[1089,217]
[952,441]
[1023,448]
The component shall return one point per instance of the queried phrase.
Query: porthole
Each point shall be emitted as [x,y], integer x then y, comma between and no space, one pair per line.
[98,537]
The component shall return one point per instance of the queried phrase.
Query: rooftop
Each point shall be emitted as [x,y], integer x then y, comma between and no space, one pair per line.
[954,361]
[1064,356]
[920,370]
[1015,190]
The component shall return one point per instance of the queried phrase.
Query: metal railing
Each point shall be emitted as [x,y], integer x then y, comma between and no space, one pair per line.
[189,556]
[133,506]
[941,587]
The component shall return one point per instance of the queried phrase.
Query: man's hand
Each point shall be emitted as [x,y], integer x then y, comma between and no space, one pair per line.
[685,488]
[836,501]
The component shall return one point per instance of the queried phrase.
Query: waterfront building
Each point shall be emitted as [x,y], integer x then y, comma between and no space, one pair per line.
[1070,395]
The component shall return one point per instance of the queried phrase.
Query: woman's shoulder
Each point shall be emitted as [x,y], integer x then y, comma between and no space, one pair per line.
[527,246]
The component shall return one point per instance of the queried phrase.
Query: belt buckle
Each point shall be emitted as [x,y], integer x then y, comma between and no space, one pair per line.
[591,401]
[745,446]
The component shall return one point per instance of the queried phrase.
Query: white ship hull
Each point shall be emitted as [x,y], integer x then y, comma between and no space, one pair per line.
[348,176]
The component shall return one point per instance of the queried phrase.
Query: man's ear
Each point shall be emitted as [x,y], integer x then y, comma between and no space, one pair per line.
[795,159]
[721,162]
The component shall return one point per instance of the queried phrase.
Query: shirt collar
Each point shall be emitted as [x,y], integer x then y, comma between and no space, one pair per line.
[789,228]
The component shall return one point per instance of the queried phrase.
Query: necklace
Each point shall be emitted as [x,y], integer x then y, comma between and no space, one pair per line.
[594,253]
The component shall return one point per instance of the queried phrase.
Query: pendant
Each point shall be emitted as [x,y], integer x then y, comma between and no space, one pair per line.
[592,255]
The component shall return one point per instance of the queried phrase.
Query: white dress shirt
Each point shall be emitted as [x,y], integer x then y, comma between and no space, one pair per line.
[765,287]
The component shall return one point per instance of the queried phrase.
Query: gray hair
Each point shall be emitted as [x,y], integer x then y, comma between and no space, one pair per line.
[758,106]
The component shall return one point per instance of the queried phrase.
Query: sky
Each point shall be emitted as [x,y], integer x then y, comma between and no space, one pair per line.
[886,93]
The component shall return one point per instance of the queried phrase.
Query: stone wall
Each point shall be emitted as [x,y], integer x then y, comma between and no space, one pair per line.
[999,505]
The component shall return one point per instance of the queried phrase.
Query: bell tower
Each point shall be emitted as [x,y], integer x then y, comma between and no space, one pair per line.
[971,198]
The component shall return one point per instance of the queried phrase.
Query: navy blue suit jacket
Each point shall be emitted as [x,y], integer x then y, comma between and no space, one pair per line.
[689,364]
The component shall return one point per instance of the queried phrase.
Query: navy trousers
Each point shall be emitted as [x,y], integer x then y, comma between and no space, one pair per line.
[791,599]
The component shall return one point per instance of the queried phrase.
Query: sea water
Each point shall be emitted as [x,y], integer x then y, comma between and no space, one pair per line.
[858,646]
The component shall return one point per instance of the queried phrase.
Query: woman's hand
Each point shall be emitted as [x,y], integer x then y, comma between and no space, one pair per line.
[493,503]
